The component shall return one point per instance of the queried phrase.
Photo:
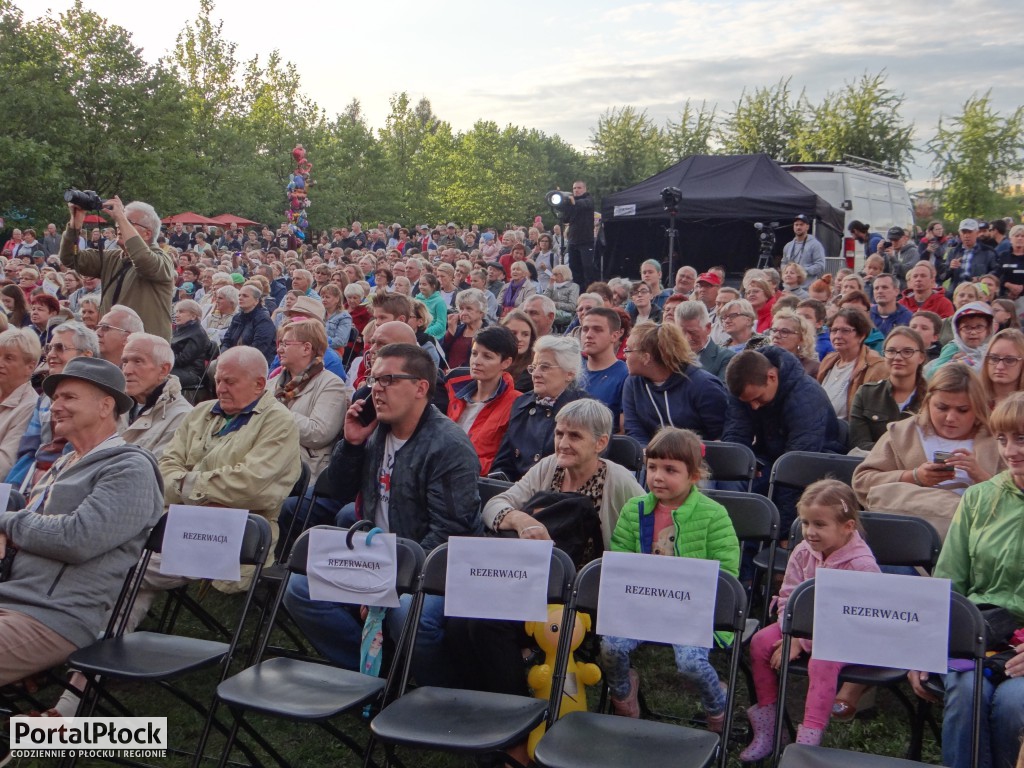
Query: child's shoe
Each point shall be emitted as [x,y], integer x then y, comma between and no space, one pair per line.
[762,723]
[809,736]
[629,706]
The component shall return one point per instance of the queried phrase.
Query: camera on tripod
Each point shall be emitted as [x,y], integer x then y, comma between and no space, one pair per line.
[87,199]
[766,239]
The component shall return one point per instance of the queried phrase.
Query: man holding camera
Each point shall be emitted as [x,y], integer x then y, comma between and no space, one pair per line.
[136,272]
[899,252]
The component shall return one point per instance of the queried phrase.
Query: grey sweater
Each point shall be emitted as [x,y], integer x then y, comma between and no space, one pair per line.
[74,553]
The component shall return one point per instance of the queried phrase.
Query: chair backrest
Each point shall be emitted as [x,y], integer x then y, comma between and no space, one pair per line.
[299,489]
[626,452]
[730,461]
[16,501]
[489,487]
[798,469]
[255,540]
[901,539]
[754,517]
[410,560]
[560,576]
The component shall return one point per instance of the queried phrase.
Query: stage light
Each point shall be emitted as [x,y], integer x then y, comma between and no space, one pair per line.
[671,197]
[558,200]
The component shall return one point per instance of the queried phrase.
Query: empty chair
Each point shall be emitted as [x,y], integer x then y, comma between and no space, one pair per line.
[731,462]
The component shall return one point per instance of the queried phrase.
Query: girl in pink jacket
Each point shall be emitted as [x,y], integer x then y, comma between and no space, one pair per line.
[829,521]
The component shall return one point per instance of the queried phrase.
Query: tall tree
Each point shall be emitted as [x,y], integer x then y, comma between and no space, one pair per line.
[692,134]
[863,119]
[767,120]
[976,153]
[626,147]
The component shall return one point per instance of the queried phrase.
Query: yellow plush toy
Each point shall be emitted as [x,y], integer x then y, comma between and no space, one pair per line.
[577,676]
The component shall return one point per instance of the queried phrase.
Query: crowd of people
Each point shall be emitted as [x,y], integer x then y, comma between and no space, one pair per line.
[406,362]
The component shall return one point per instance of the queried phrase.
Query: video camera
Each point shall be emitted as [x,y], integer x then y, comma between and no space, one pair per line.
[87,200]
[766,238]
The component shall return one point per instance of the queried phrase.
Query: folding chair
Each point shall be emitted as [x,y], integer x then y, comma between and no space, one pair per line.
[192,393]
[305,691]
[596,740]
[966,640]
[798,469]
[151,657]
[731,461]
[627,452]
[490,487]
[477,723]
[755,519]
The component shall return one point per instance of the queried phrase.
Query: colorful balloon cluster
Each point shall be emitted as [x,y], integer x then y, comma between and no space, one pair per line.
[298,199]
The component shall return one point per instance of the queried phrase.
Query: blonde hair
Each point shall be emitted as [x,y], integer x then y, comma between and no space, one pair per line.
[665,343]
[1008,416]
[834,494]
[807,348]
[1016,337]
[956,378]
[308,331]
[25,341]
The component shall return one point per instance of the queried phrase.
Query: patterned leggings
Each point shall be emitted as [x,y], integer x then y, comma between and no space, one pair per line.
[821,687]
[692,663]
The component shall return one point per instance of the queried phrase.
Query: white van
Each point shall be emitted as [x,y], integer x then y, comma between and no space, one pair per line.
[867,193]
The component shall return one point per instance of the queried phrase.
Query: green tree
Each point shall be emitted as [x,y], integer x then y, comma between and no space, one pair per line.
[767,120]
[976,153]
[626,147]
[692,134]
[863,119]
[404,132]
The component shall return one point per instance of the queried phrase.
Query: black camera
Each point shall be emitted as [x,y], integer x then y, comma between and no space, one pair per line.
[87,199]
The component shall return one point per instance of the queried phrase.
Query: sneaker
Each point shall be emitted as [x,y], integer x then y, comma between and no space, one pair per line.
[630,705]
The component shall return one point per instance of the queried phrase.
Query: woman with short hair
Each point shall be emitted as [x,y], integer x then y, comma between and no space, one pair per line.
[738,320]
[761,295]
[557,379]
[190,343]
[519,288]
[853,363]
[794,334]
[338,321]
[458,343]
[430,295]
[922,466]
[19,355]
[562,290]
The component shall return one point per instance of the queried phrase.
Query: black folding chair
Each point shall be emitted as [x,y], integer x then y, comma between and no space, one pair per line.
[627,452]
[451,720]
[152,657]
[191,394]
[731,462]
[596,740]
[490,487]
[966,640]
[306,691]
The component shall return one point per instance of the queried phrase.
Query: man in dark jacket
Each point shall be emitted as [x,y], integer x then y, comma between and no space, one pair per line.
[252,326]
[581,236]
[969,259]
[774,408]
[413,472]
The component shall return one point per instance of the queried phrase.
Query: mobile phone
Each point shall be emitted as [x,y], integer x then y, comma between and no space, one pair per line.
[369,412]
[941,457]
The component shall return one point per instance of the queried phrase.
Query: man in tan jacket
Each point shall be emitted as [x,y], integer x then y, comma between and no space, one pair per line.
[136,272]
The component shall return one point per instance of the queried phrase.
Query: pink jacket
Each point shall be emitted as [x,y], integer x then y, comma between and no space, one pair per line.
[854,555]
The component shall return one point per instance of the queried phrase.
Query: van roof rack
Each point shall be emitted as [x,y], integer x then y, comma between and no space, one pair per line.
[860,163]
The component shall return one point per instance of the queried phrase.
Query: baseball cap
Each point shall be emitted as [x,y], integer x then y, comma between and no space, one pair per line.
[969,225]
[895,233]
[451,225]
[974,309]
[982,225]
[711,278]
[802,217]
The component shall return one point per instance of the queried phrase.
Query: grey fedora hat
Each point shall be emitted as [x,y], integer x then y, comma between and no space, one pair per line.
[97,372]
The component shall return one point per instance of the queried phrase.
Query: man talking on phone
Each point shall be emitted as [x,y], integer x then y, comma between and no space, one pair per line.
[135,272]
[412,471]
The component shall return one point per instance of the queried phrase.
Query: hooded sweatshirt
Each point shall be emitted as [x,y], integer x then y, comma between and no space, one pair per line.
[957,349]
[74,552]
[691,399]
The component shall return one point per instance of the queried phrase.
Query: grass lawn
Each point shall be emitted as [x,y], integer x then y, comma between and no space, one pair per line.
[307,745]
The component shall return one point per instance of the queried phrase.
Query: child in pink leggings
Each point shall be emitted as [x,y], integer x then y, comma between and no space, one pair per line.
[829,522]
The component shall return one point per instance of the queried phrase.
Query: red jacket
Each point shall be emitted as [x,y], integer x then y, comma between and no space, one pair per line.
[492,421]
[937,303]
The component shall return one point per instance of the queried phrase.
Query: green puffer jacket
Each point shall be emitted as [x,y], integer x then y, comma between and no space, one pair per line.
[983,554]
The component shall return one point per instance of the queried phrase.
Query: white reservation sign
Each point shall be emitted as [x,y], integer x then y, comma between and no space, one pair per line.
[363,575]
[203,542]
[882,620]
[497,578]
[658,599]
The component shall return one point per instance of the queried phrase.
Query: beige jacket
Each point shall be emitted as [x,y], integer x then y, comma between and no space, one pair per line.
[877,481]
[15,412]
[620,486]
[870,366]
[154,429]
[319,413]
[148,285]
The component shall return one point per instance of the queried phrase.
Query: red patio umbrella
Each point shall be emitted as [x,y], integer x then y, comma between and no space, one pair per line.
[93,218]
[229,219]
[188,217]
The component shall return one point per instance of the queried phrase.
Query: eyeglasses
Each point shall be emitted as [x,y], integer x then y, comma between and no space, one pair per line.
[104,327]
[842,331]
[974,328]
[388,379]
[540,368]
[641,292]
[289,343]
[906,353]
[781,332]
[58,348]
[734,315]
[1008,360]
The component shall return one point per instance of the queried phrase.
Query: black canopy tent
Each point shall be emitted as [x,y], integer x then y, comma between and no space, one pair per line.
[722,197]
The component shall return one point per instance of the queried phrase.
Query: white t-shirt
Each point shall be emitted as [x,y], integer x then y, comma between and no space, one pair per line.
[930,442]
[470,413]
[837,386]
[391,447]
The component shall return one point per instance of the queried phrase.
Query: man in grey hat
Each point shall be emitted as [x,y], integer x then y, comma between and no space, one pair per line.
[450,239]
[805,249]
[967,260]
[82,529]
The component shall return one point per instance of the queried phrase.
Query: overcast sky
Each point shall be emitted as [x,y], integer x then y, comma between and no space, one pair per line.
[556,66]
